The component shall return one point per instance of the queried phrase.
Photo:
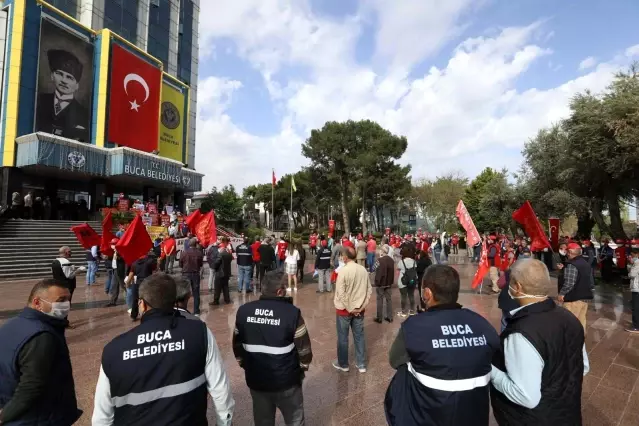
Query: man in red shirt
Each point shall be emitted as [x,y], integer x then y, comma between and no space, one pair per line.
[455,243]
[256,259]
[371,248]
[313,242]
[346,242]
[281,252]
[169,251]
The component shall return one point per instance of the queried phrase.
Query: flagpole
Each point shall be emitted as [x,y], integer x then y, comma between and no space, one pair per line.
[290,225]
[273,205]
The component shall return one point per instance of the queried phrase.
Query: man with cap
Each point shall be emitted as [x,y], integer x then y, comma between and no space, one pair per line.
[578,283]
[160,372]
[494,261]
[272,345]
[537,374]
[59,113]
[443,360]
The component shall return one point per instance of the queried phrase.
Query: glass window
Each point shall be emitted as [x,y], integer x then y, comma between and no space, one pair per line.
[159,29]
[122,18]
[185,46]
[70,7]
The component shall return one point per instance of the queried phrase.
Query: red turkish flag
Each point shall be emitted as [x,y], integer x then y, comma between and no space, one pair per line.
[86,235]
[553,226]
[107,235]
[135,242]
[483,268]
[274,180]
[134,101]
[206,230]
[472,236]
[193,219]
[528,219]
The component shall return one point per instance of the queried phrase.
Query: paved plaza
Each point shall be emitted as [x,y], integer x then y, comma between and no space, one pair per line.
[610,390]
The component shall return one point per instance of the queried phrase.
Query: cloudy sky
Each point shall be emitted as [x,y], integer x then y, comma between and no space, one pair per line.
[466,81]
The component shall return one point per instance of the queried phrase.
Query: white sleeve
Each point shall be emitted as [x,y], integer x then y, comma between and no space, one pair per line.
[68,270]
[218,383]
[94,251]
[103,409]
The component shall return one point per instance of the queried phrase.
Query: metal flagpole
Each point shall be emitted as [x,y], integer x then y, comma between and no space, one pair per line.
[273,205]
[290,224]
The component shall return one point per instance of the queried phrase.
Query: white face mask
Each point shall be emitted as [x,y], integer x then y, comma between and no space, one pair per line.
[562,252]
[523,295]
[58,309]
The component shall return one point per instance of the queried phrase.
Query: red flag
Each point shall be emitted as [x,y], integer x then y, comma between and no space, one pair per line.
[134,101]
[206,230]
[193,219]
[527,218]
[86,235]
[467,222]
[107,235]
[135,242]
[553,226]
[274,179]
[483,268]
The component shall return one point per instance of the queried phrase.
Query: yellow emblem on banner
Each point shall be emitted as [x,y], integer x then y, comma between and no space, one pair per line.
[171,123]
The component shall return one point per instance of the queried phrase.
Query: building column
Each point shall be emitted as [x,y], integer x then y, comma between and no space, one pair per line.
[143,24]
[195,52]
[174,37]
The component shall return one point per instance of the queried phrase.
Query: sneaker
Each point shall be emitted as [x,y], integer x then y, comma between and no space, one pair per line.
[388,319]
[361,369]
[401,314]
[633,330]
[377,320]
[340,368]
[295,289]
[288,290]
[319,291]
[128,311]
[411,313]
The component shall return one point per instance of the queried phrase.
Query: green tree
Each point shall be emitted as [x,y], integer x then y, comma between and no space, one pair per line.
[226,203]
[350,154]
[438,198]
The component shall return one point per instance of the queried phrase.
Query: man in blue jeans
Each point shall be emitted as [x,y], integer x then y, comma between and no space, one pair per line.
[93,256]
[352,293]
[244,266]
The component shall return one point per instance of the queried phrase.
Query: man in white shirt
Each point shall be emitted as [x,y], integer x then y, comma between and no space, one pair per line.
[28,205]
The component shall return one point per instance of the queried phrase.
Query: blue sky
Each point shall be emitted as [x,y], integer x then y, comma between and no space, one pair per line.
[467,81]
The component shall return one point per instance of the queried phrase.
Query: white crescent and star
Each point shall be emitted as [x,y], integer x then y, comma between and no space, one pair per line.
[137,78]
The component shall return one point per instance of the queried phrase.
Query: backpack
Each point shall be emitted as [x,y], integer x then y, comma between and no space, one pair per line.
[409,279]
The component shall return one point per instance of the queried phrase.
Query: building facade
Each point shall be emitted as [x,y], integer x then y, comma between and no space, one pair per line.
[98,98]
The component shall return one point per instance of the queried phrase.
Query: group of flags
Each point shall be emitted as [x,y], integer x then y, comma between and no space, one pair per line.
[293,186]
[525,216]
[134,243]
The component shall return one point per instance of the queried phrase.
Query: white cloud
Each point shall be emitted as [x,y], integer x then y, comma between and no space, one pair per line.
[633,51]
[465,115]
[587,63]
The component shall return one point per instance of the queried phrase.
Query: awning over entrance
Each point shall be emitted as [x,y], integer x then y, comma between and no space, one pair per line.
[43,149]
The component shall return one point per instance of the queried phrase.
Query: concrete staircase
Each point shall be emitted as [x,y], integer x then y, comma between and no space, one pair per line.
[27,247]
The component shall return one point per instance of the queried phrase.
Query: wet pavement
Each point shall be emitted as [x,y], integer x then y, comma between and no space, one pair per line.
[610,390]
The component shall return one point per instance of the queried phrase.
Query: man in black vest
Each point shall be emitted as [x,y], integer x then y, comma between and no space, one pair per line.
[578,284]
[222,267]
[244,266]
[538,373]
[36,379]
[183,294]
[141,269]
[158,373]
[323,267]
[443,360]
[272,345]
[191,261]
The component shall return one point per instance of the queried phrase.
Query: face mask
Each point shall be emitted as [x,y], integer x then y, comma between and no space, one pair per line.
[562,252]
[523,295]
[58,309]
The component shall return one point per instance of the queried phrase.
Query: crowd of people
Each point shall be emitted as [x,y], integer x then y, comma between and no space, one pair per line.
[451,365]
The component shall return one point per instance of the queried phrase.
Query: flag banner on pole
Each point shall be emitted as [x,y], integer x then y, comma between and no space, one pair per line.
[107,235]
[206,230]
[467,222]
[528,219]
[135,242]
[86,235]
[483,268]
[274,178]
[293,184]
[553,227]
[193,219]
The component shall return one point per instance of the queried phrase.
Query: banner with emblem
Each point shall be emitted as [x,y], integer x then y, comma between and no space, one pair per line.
[172,118]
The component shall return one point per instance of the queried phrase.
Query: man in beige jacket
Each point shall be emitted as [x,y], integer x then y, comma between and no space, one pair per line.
[352,293]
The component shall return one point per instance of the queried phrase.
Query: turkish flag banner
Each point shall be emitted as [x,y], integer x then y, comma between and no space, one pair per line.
[206,230]
[528,219]
[107,235]
[483,268]
[193,219]
[86,235]
[553,227]
[135,242]
[467,222]
[134,101]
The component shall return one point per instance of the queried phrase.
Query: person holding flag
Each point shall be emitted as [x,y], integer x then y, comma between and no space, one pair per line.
[494,261]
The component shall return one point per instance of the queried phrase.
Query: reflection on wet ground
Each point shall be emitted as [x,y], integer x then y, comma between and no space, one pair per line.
[610,391]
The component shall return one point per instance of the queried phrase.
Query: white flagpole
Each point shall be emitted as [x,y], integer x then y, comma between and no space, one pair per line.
[290,225]
[272,203]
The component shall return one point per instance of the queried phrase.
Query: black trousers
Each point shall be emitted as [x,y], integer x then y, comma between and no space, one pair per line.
[384,295]
[635,309]
[117,283]
[221,286]
[289,401]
